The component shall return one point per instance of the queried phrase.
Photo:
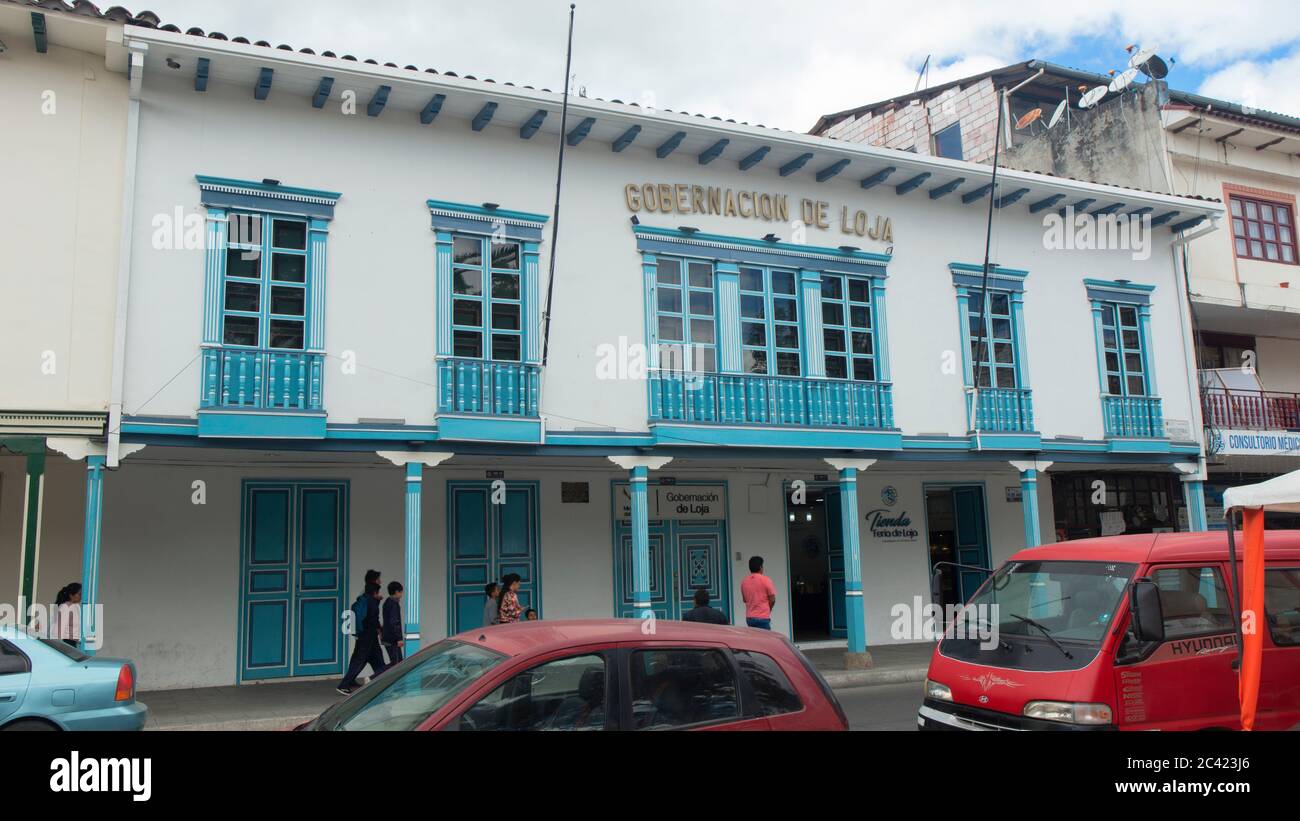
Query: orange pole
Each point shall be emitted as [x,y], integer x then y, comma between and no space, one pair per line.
[1252,614]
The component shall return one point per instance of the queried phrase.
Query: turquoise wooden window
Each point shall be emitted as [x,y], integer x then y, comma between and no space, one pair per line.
[487,298]
[686,314]
[265,289]
[847,327]
[1122,345]
[770,339]
[993,340]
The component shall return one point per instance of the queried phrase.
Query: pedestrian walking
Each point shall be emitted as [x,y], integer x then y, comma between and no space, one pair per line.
[759,594]
[702,612]
[68,613]
[394,631]
[366,651]
[491,605]
[510,610]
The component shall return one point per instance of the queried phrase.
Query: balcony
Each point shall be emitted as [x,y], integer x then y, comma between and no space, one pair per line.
[749,399]
[1251,409]
[473,386]
[1002,410]
[1133,417]
[261,379]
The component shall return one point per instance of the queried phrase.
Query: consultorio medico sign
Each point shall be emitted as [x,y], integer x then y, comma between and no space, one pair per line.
[714,200]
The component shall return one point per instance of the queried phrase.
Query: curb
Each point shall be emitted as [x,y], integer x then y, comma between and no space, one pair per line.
[844,679]
[238,725]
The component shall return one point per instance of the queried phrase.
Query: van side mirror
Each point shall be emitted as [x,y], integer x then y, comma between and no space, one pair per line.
[1148,621]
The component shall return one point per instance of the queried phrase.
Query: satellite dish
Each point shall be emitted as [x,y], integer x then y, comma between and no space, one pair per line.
[1148,62]
[1123,80]
[1029,117]
[1140,56]
[1093,97]
[1056,115]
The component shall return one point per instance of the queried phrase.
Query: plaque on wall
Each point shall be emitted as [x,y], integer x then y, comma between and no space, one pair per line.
[575,493]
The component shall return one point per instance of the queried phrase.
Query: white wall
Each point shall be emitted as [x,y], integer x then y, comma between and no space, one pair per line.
[60,224]
[380,300]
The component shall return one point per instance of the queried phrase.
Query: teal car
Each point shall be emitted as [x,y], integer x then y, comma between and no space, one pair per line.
[47,684]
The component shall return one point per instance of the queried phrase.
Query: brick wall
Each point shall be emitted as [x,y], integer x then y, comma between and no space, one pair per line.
[911,126]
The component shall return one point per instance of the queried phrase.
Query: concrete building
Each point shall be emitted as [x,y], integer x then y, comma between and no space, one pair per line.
[338,356]
[1243,281]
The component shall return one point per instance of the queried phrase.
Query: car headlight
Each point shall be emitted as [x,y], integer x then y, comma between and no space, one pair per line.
[937,691]
[1068,712]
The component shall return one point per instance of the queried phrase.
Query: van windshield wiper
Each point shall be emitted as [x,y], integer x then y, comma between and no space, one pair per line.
[1046,633]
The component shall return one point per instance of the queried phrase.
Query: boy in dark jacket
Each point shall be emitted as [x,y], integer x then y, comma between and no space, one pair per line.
[394,632]
[367,649]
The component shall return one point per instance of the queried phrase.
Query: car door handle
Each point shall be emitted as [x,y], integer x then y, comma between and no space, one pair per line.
[8,696]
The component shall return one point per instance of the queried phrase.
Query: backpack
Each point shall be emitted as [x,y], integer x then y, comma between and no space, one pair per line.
[360,608]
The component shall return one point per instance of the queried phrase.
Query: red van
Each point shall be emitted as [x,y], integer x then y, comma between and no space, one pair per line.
[1117,633]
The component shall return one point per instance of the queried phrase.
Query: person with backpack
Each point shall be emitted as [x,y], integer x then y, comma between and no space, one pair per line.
[394,632]
[365,618]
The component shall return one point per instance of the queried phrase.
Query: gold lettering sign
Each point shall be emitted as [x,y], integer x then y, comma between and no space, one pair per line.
[680,198]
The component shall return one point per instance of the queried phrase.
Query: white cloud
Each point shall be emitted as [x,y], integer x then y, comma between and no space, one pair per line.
[1267,85]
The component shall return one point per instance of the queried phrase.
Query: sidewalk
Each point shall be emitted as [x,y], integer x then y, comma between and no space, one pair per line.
[282,705]
[891,664]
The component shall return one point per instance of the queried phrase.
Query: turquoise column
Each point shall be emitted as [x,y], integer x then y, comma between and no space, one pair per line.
[640,540]
[728,326]
[1194,495]
[531,311]
[90,549]
[33,503]
[411,595]
[857,629]
[214,266]
[1029,507]
[814,353]
[442,281]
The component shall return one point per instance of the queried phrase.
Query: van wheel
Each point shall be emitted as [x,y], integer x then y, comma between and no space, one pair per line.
[29,724]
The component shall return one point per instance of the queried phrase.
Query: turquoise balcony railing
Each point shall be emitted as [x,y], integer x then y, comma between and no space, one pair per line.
[490,388]
[1002,410]
[262,379]
[750,399]
[1133,416]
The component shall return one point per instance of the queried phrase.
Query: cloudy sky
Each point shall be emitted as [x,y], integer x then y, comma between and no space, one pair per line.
[782,64]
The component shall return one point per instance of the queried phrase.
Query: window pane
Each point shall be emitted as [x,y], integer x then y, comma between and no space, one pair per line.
[1133,362]
[832,313]
[1108,337]
[468,344]
[287,300]
[1241,247]
[947,143]
[1001,329]
[505,347]
[859,290]
[861,343]
[1270,251]
[505,317]
[832,287]
[1236,208]
[752,306]
[467,250]
[782,282]
[1252,230]
[505,255]
[467,312]
[240,330]
[1112,361]
[468,281]
[1136,386]
[787,364]
[289,267]
[287,333]
[864,370]
[1131,341]
[243,296]
[832,340]
[1128,316]
[787,336]
[670,299]
[1288,253]
[670,328]
[784,310]
[755,361]
[1193,601]
[244,229]
[1282,603]
[1283,215]
[1252,210]
[566,694]
[672,357]
[244,263]
[290,234]
[1239,227]
[677,688]
[836,368]
[505,286]
[751,279]
[1006,378]
[859,316]
[702,331]
[1266,212]
[701,274]
[702,303]
[1113,385]
[1256,249]
[773,691]
[1002,353]
[1270,233]
[1000,304]
[668,272]
[753,333]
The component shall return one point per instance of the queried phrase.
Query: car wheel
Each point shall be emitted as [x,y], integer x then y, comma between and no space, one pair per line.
[30,725]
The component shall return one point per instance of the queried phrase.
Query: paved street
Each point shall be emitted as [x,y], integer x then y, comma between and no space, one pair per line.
[882,707]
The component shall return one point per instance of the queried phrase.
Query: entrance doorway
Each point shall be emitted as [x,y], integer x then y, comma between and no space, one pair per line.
[491,531]
[957,531]
[816,554]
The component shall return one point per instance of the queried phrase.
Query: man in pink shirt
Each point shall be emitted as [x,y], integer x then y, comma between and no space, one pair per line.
[759,594]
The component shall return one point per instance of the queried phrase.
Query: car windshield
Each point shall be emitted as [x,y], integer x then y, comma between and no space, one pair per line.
[1063,600]
[402,697]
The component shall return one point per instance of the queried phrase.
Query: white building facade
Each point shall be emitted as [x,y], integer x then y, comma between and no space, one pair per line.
[337,358]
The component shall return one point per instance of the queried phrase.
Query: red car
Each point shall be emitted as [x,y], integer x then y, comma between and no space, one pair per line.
[608,674]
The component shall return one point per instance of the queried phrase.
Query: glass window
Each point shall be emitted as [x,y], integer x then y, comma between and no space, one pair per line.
[686,304]
[1122,345]
[1263,230]
[487,298]
[565,694]
[947,142]
[1282,605]
[847,333]
[264,298]
[992,339]
[1193,600]
[773,692]
[679,687]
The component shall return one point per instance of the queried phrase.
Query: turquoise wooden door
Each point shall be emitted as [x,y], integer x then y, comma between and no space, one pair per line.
[293,564]
[701,562]
[971,538]
[663,601]
[839,620]
[485,541]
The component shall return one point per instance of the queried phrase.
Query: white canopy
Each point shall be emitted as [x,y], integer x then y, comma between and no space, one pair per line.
[1281,493]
